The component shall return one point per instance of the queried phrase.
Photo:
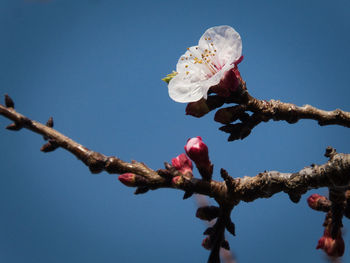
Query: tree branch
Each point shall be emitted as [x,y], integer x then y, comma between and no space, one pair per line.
[334,174]
[264,111]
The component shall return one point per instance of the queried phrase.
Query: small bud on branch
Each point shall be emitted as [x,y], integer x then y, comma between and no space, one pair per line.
[9,102]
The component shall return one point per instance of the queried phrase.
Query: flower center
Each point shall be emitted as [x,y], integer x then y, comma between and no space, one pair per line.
[207,58]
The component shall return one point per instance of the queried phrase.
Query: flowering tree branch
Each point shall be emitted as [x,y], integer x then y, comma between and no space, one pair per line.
[334,174]
[211,67]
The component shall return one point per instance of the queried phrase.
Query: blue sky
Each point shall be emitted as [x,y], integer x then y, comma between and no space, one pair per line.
[96,65]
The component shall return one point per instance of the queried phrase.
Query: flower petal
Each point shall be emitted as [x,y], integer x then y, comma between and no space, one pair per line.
[226,41]
[182,89]
[193,86]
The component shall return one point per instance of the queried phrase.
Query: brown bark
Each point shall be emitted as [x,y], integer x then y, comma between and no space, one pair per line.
[334,174]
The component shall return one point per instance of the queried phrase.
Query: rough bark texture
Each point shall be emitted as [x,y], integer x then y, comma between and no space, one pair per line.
[250,112]
[334,174]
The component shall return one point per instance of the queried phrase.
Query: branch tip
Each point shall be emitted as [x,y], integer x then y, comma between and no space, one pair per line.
[9,102]
[294,197]
[50,146]
[230,226]
[50,122]
[330,152]
[141,190]
[14,127]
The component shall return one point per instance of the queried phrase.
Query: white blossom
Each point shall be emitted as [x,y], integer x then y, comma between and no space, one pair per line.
[203,66]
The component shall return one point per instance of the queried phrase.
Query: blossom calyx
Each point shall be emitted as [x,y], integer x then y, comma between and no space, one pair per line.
[223,116]
[229,83]
[183,164]
[169,77]
[231,114]
[198,108]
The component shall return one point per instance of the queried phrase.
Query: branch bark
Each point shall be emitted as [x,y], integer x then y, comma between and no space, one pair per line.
[334,173]
[264,111]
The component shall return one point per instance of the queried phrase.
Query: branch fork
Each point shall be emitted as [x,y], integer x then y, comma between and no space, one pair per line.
[334,174]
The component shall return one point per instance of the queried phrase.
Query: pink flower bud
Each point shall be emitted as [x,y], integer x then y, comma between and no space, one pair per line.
[127,179]
[197,108]
[197,151]
[314,200]
[182,163]
[333,247]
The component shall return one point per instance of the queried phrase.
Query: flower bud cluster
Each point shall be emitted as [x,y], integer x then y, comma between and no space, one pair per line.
[197,151]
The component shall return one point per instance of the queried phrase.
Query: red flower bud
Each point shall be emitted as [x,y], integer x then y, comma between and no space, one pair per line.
[127,179]
[333,247]
[182,163]
[314,200]
[206,243]
[197,151]
[197,108]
